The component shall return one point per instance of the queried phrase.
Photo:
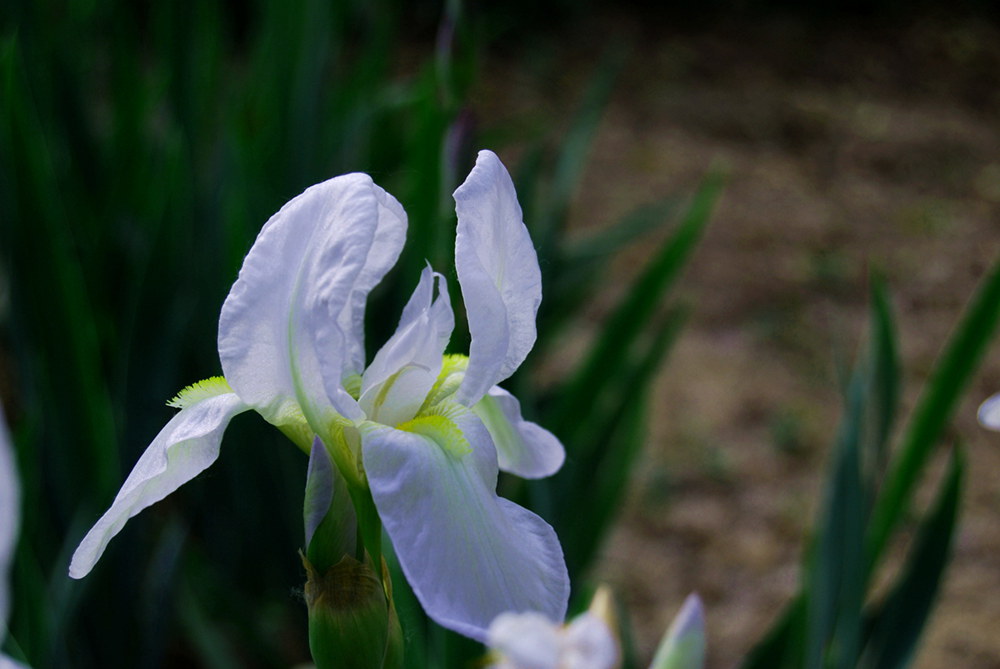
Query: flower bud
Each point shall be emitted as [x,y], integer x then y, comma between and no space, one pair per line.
[683,646]
[350,617]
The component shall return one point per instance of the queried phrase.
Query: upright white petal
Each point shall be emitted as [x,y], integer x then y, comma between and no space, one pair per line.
[10,519]
[390,235]
[468,554]
[498,271]
[523,448]
[405,368]
[184,448]
[291,327]
[989,412]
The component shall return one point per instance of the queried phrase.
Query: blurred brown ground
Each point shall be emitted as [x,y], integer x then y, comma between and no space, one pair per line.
[849,146]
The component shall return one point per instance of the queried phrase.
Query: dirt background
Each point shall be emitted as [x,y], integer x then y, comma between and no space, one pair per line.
[849,146]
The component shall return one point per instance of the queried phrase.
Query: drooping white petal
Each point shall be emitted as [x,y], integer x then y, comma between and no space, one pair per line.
[989,412]
[290,329]
[526,640]
[683,646]
[523,448]
[498,271]
[10,518]
[405,368]
[468,554]
[184,448]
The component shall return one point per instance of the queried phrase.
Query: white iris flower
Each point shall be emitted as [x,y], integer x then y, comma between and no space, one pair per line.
[531,640]
[425,433]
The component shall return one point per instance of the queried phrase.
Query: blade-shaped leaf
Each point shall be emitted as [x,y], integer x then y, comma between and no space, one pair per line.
[895,626]
[633,314]
[836,574]
[940,397]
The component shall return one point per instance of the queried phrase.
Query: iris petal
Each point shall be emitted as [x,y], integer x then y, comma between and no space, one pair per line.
[468,554]
[290,329]
[184,448]
[405,368]
[523,448]
[526,639]
[499,274]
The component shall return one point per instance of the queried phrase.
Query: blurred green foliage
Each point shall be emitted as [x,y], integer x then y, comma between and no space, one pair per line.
[835,620]
[143,146]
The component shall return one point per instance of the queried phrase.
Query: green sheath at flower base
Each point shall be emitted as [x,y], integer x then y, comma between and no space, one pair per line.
[349,617]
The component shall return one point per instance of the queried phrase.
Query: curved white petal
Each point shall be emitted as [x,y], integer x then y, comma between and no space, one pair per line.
[498,271]
[989,412]
[468,554]
[526,639]
[10,518]
[291,327]
[184,448]
[390,235]
[523,448]
[405,368]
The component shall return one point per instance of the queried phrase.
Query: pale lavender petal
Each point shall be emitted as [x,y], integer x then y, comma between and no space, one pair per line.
[989,413]
[184,448]
[468,554]
[499,275]
[404,370]
[290,328]
[523,448]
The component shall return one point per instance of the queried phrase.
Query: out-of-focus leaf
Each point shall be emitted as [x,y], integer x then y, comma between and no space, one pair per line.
[884,392]
[631,317]
[948,381]
[784,643]
[895,626]
[581,266]
[835,579]
[594,483]
[574,149]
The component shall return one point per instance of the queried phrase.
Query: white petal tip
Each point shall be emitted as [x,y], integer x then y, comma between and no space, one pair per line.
[989,413]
